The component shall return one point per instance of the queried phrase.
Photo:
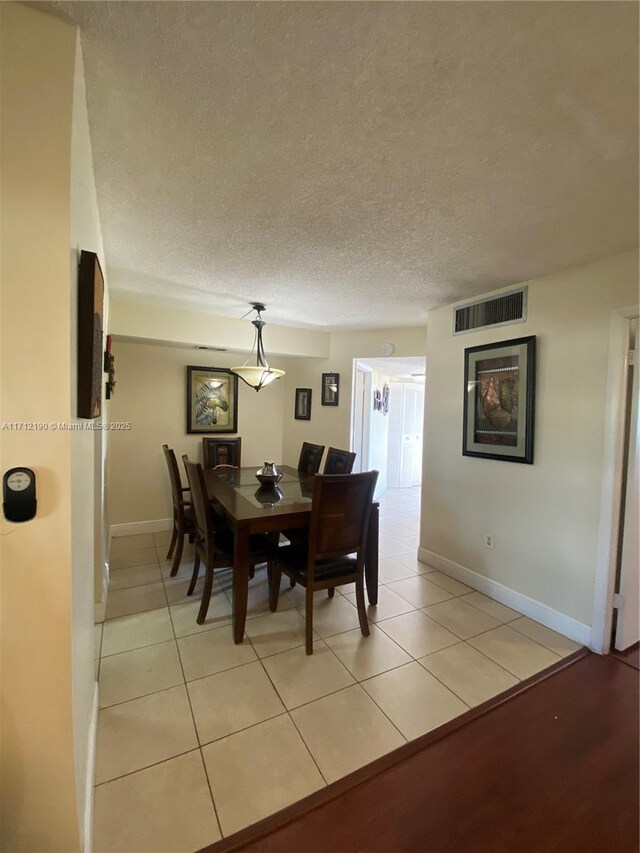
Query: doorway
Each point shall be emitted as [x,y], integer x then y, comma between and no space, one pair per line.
[387,418]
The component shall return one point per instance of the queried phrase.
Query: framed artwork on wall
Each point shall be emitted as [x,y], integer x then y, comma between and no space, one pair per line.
[302,410]
[330,389]
[212,400]
[90,312]
[499,400]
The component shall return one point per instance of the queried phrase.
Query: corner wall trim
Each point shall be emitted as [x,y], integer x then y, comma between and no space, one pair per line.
[542,613]
[158,525]
[91,764]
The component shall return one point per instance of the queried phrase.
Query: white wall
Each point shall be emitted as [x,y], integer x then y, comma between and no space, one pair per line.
[38,797]
[88,546]
[544,516]
[151,394]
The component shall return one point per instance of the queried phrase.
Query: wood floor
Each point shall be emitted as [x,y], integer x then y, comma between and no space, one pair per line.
[554,768]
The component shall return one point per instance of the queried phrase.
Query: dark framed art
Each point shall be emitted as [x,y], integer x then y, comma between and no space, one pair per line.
[499,400]
[302,410]
[330,389]
[90,312]
[212,400]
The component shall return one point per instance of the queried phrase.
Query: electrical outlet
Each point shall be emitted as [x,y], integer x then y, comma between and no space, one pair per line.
[488,541]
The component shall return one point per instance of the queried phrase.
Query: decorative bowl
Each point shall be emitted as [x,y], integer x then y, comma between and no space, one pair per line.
[269,479]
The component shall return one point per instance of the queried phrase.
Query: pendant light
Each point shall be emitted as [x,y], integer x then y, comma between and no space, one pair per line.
[260,374]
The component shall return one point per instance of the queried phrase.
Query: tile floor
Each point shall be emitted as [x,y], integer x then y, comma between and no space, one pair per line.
[198,737]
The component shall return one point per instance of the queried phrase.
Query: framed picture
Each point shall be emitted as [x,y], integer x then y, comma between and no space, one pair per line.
[212,400]
[330,389]
[90,311]
[303,404]
[499,400]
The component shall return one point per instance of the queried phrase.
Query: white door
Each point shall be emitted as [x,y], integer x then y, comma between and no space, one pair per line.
[628,621]
[411,452]
[360,420]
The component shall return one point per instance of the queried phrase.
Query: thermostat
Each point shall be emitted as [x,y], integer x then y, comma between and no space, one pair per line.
[19,494]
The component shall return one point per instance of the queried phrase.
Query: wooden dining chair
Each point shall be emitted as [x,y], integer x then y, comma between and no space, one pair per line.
[310,457]
[183,521]
[335,553]
[221,451]
[339,461]
[214,542]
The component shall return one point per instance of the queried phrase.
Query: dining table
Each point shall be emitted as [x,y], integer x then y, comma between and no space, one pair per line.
[251,508]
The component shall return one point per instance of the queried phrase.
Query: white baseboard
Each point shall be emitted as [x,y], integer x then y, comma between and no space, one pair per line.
[87,846]
[158,525]
[542,613]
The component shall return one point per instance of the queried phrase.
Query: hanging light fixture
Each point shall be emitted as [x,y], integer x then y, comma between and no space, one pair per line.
[260,374]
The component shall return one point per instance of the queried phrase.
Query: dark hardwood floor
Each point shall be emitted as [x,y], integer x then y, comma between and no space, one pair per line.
[553,768]
[630,656]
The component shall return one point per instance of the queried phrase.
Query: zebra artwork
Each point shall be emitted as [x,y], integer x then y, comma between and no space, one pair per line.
[210,398]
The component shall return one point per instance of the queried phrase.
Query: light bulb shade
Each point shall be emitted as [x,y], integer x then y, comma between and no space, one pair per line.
[257,376]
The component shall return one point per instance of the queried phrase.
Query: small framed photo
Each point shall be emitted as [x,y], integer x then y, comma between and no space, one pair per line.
[303,404]
[212,400]
[330,389]
[499,400]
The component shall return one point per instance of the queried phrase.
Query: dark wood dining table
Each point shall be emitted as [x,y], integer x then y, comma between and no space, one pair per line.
[250,508]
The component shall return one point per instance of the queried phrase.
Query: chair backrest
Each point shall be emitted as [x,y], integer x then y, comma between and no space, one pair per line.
[340,511]
[221,451]
[310,457]
[339,461]
[174,477]
[200,500]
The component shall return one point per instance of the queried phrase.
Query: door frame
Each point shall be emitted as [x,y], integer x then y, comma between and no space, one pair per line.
[366,414]
[612,477]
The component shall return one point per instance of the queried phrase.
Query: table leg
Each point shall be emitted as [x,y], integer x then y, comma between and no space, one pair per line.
[240,582]
[371,557]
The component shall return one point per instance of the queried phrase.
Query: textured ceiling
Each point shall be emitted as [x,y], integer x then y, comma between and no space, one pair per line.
[354,164]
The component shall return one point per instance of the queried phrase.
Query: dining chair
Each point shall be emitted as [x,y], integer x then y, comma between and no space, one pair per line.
[221,451]
[214,542]
[339,461]
[310,457]
[335,553]
[183,521]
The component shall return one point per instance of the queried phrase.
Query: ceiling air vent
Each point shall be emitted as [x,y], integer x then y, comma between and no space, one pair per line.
[500,311]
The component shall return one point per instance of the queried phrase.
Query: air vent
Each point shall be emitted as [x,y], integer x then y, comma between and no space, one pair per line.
[500,311]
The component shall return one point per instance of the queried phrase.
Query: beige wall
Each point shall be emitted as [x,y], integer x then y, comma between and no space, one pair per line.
[151,394]
[87,528]
[39,806]
[331,425]
[544,516]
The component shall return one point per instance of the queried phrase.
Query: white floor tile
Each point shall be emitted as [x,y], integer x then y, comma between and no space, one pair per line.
[367,656]
[129,675]
[300,678]
[513,651]
[468,673]
[417,634]
[163,809]
[212,651]
[259,771]
[132,632]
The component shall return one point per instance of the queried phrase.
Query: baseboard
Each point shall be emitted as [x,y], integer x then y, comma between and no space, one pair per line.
[542,613]
[91,764]
[158,525]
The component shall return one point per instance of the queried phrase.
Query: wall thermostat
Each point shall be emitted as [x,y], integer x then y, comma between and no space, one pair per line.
[388,349]
[19,494]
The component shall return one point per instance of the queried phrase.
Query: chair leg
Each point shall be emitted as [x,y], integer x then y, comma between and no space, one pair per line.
[292,583]
[206,595]
[308,615]
[331,591]
[275,576]
[252,572]
[194,576]
[174,538]
[178,555]
[362,608]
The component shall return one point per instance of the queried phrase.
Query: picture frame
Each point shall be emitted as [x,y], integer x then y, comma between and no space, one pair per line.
[212,400]
[499,400]
[90,316]
[330,389]
[302,410]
